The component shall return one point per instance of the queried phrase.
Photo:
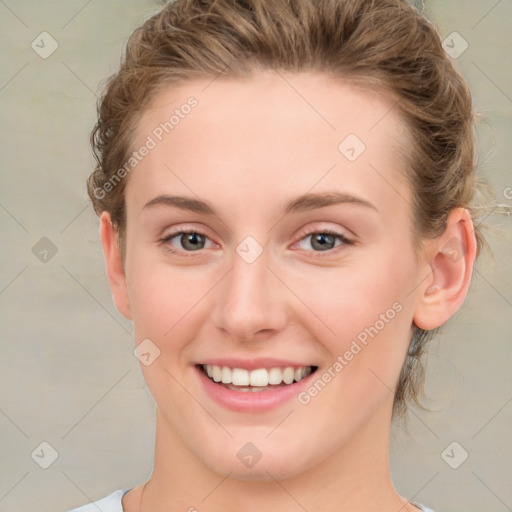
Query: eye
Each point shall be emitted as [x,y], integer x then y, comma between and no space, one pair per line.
[190,240]
[324,240]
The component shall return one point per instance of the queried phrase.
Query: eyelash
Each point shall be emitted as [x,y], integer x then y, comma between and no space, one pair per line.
[187,254]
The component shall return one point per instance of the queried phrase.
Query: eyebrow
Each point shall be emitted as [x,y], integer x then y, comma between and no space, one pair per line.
[304,202]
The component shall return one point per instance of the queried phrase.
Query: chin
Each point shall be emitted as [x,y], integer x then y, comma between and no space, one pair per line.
[262,471]
[259,461]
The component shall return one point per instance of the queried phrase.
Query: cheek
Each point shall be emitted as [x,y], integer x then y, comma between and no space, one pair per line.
[366,314]
[168,302]
[164,303]
[353,296]
[371,320]
[159,300]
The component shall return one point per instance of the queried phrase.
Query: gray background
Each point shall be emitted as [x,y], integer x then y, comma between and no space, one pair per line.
[68,376]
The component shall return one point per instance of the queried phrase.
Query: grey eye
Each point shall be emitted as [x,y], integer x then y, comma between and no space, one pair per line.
[322,241]
[192,241]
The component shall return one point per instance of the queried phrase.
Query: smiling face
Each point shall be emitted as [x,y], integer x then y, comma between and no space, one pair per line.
[301,256]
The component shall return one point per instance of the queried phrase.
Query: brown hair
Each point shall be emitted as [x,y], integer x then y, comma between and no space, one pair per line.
[387,46]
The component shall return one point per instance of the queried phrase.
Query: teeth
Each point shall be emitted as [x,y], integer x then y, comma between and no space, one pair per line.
[288,375]
[239,377]
[226,375]
[258,378]
[275,376]
[216,373]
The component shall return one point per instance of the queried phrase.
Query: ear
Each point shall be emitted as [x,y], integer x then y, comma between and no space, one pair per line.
[450,259]
[114,266]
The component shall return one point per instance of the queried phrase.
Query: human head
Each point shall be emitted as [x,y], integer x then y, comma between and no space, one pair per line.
[386,46]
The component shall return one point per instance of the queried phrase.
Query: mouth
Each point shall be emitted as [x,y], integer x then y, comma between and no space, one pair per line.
[256,380]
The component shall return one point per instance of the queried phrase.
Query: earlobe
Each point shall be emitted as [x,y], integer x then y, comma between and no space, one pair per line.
[114,265]
[451,259]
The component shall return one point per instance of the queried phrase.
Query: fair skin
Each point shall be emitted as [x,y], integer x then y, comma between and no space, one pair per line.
[248,148]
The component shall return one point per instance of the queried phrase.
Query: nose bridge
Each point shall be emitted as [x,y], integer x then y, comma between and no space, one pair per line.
[247,302]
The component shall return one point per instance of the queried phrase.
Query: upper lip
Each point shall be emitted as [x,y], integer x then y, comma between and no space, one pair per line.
[253,363]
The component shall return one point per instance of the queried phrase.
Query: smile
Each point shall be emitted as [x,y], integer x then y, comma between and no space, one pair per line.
[259,379]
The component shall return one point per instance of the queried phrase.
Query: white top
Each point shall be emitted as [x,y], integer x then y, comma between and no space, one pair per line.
[112,503]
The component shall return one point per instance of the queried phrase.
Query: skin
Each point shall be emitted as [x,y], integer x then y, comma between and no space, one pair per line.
[247,148]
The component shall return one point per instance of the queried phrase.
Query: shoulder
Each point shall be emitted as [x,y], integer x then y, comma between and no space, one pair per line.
[110,503]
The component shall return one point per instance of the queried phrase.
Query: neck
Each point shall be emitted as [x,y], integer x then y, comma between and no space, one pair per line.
[355,478]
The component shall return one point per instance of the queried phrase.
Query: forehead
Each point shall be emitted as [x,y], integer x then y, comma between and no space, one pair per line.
[273,132]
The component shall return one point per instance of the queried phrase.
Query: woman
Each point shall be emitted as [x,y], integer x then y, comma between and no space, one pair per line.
[285,191]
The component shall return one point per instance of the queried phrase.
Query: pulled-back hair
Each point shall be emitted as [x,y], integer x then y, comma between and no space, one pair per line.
[387,46]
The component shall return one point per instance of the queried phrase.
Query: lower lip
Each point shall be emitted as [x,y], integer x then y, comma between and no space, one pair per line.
[251,401]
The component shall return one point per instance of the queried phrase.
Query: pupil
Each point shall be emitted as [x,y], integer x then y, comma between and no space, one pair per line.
[323,240]
[194,239]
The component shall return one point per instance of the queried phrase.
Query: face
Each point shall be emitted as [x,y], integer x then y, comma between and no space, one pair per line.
[297,253]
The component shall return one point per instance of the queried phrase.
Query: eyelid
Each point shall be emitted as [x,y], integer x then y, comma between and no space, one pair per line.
[346,240]
[184,229]
[332,231]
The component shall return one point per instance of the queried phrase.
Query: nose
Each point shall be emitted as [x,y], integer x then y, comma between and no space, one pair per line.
[251,302]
